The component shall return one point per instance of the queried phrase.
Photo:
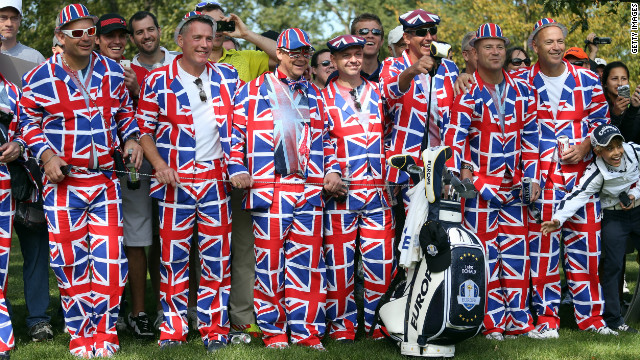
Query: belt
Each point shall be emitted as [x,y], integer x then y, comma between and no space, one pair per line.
[619,207]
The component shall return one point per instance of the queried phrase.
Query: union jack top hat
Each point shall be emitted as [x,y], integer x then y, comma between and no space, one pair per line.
[489,31]
[294,38]
[342,42]
[74,12]
[191,15]
[541,24]
[418,18]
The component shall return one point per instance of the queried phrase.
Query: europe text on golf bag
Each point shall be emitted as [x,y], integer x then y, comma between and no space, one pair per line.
[442,302]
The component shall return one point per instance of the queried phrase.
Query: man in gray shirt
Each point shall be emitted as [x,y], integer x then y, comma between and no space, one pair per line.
[10,19]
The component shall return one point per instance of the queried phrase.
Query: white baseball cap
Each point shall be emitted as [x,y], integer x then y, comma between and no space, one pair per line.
[600,61]
[395,35]
[16,4]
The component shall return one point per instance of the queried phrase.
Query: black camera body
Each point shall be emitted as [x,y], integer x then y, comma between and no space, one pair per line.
[599,41]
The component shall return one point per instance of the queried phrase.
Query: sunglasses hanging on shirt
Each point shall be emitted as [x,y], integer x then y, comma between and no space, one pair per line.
[203,95]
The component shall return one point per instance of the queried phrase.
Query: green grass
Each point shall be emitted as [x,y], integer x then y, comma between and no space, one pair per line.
[573,344]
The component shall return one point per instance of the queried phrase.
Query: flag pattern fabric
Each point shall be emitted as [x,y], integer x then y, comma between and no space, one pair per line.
[83,211]
[201,198]
[582,108]
[360,150]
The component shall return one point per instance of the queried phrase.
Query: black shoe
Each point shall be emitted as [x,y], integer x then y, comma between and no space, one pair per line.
[167,344]
[140,326]
[345,341]
[626,328]
[41,331]
[4,355]
[215,345]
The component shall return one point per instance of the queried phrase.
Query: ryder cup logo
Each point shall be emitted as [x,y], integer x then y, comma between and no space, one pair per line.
[469,295]
[432,250]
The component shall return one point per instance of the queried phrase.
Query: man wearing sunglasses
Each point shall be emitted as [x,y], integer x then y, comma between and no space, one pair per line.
[280,142]
[10,20]
[577,57]
[570,103]
[184,114]
[410,84]
[369,27]
[356,128]
[76,114]
[494,137]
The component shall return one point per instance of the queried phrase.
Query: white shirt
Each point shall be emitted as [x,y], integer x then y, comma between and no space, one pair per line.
[554,86]
[205,127]
[168,58]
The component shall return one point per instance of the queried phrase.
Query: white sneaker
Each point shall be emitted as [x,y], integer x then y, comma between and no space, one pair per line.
[159,320]
[544,334]
[605,330]
[494,336]
[192,317]
[121,324]
[625,288]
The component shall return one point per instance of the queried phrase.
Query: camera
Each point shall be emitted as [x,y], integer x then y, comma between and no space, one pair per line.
[624,199]
[225,26]
[599,41]
[440,49]
[623,91]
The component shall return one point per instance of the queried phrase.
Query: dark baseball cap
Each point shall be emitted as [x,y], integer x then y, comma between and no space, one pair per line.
[111,22]
[603,134]
[434,242]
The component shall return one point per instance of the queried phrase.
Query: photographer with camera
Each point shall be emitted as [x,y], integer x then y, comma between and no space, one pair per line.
[410,84]
[623,104]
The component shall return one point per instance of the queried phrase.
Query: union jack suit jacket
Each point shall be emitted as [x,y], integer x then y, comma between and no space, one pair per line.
[55,116]
[164,113]
[14,98]
[582,108]
[475,136]
[409,109]
[253,139]
[358,149]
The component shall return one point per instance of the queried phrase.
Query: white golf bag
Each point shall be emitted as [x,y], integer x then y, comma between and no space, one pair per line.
[431,311]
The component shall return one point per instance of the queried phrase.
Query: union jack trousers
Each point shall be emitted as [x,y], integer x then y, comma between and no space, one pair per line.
[87,257]
[582,108]
[360,151]
[210,209]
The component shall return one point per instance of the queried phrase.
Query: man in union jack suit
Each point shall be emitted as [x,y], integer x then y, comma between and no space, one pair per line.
[418,90]
[356,127]
[281,152]
[570,103]
[185,112]
[494,136]
[76,111]
[12,147]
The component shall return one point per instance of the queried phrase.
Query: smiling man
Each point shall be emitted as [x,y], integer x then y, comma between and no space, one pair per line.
[494,137]
[280,141]
[145,34]
[369,27]
[185,114]
[570,104]
[356,128]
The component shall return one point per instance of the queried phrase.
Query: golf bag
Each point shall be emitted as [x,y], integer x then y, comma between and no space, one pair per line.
[442,300]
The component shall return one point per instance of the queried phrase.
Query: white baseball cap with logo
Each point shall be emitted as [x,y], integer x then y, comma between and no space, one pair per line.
[16,4]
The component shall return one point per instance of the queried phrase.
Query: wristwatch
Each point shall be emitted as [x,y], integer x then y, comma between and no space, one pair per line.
[135,137]
[467,166]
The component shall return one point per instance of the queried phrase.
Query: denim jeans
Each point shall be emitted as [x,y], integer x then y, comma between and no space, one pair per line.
[34,243]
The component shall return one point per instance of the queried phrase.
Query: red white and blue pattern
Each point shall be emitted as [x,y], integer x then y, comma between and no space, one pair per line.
[84,214]
[210,209]
[500,158]
[489,31]
[74,12]
[360,151]
[582,108]
[475,135]
[164,113]
[294,38]
[84,210]
[418,18]
[55,116]
[290,287]
[7,209]
[541,24]
[409,109]
[342,42]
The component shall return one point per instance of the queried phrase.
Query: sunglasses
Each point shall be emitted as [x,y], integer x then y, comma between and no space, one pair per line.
[424,31]
[78,33]
[354,97]
[365,31]
[518,61]
[203,95]
[325,63]
[578,63]
[307,54]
